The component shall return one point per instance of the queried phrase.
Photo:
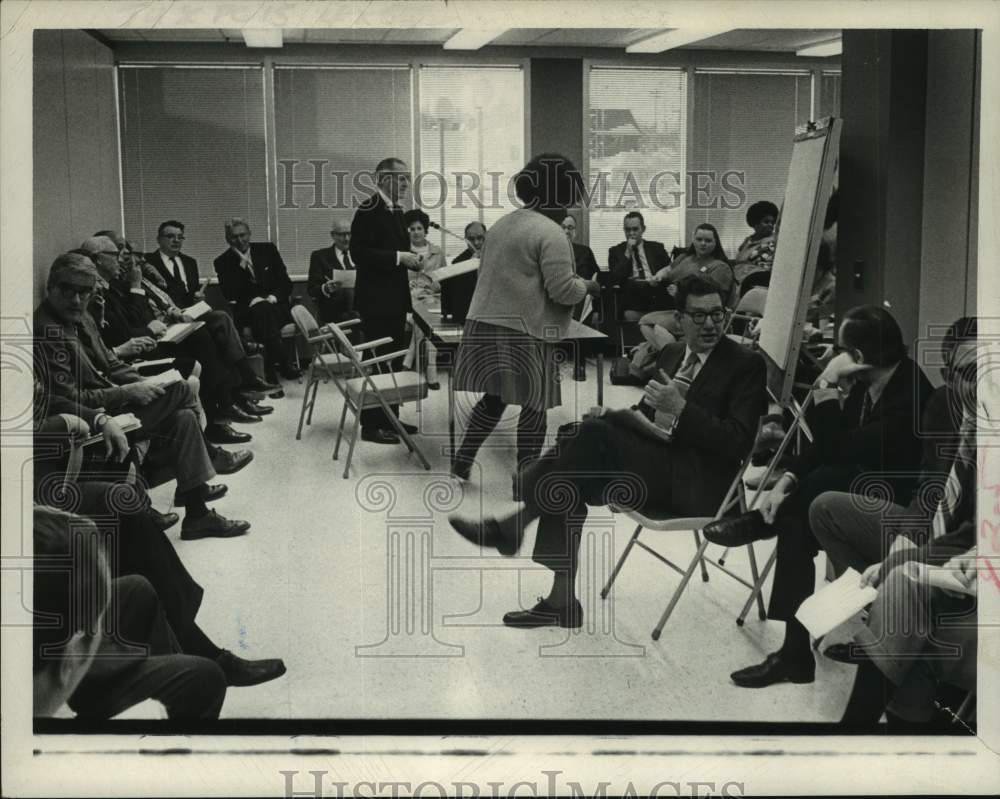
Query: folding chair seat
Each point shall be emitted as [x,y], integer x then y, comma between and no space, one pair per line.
[325,363]
[734,502]
[372,386]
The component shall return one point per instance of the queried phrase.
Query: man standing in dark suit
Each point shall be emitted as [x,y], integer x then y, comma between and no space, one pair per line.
[335,302]
[632,263]
[676,453]
[380,248]
[179,271]
[874,432]
[254,279]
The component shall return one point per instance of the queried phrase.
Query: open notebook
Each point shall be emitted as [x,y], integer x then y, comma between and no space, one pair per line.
[180,331]
[835,603]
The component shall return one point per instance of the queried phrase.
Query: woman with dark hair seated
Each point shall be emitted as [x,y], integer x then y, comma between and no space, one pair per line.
[705,256]
[423,286]
[756,253]
[522,307]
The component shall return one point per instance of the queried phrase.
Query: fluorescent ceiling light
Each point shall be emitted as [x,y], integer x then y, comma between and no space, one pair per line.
[472,38]
[668,40]
[262,37]
[833,47]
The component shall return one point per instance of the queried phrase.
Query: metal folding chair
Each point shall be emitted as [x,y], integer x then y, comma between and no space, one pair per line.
[374,385]
[734,500]
[325,363]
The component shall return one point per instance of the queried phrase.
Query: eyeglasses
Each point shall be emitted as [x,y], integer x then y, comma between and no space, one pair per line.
[173,236]
[699,317]
[70,290]
[632,228]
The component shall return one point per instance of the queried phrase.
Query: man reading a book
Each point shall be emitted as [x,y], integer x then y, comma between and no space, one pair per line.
[72,361]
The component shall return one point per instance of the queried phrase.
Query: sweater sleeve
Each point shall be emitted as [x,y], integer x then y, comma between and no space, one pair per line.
[558,271]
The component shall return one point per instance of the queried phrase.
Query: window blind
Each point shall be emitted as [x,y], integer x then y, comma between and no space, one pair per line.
[193,150]
[742,134]
[332,127]
[636,140]
[471,125]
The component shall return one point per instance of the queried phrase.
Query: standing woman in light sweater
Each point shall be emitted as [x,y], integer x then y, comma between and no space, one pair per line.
[522,307]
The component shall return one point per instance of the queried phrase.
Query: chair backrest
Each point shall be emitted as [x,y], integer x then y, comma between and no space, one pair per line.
[752,303]
[304,321]
[343,346]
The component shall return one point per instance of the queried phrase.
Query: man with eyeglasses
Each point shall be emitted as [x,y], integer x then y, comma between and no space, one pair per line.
[632,263]
[179,271]
[67,345]
[334,301]
[674,454]
[475,238]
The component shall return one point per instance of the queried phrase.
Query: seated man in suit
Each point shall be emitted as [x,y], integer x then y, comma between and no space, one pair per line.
[475,237]
[674,454]
[78,365]
[97,665]
[875,431]
[254,280]
[334,302]
[179,271]
[632,263]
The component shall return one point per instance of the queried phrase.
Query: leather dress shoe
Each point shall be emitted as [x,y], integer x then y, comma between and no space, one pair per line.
[433,385]
[775,669]
[545,615]
[240,672]
[212,525]
[257,388]
[226,462]
[487,533]
[163,521]
[380,436]
[412,429]
[247,406]
[846,653]
[744,529]
[212,493]
[235,413]
[221,433]
[257,408]
[291,372]
[253,347]
[279,394]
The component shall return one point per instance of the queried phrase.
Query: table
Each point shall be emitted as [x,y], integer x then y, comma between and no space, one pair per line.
[446,336]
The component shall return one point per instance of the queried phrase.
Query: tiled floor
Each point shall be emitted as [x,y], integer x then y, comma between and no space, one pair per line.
[380,611]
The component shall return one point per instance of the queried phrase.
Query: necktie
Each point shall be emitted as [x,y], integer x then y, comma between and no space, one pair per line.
[177,271]
[958,502]
[637,262]
[866,408]
[347,261]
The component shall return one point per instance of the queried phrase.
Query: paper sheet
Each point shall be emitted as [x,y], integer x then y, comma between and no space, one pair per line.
[835,603]
[197,310]
[345,278]
[180,331]
[164,378]
[940,577]
[454,270]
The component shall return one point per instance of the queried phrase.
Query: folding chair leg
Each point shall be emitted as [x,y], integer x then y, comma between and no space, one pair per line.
[757,589]
[761,613]
[704,568]
[350,449]
[340,430]
[723,556]
[621,562]
[305,404]
[680,590]
[312,404]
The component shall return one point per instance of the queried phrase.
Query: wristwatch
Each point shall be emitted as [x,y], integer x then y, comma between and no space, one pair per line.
[100,420]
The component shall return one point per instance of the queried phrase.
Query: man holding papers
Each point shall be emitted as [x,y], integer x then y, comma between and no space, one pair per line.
[331,276]
[65,349]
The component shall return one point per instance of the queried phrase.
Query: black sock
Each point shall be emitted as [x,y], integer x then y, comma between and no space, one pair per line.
[194,502]
[194,642]
[796,647]
[869,696]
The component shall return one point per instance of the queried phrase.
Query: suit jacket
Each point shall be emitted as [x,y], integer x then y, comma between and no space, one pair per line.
[715,431]
[383,286]
[322,264]
[181,293]
[887,443]
[465,255]
[620,266]
[586,264]
[126,315]
[270,276]
[74,362]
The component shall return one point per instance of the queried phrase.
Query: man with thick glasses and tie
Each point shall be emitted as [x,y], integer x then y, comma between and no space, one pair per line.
[179,271]
[677,451]
[332,293]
